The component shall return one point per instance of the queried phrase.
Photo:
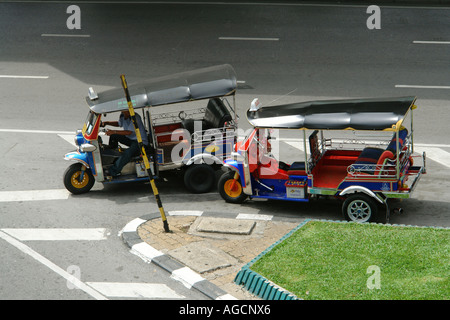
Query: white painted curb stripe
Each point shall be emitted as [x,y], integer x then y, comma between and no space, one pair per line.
[226,297]
[186,213]
[145,251]
[133,225]
[186,276]
[249,216]
[70,278]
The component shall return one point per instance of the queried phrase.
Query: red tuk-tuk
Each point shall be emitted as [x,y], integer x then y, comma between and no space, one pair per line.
[372,162]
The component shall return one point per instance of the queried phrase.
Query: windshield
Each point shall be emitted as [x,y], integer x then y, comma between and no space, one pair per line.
[90,123]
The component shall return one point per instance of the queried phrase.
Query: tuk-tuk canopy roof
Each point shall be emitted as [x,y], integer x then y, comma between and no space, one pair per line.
[355,114]
[198,84]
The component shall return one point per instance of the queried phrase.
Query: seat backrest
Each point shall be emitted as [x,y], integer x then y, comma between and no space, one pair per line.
[314,146]
[402,134]
[216,114]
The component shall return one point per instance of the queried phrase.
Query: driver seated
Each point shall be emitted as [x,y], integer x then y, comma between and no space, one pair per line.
[127,137]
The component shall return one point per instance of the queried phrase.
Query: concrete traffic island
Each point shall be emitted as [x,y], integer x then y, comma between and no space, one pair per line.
[216,248]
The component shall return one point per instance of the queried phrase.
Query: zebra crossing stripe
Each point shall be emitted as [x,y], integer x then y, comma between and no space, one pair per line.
[135,290]
[56,234]
[34,195]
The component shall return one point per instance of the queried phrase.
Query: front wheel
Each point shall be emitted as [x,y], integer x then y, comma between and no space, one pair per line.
[78,179]
[359,208]
[231,189]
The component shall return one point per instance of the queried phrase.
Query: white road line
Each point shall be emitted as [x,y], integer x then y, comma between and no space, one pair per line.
[70,278]
[248,39]
[435,154]
[295,143]
[68,138]
[431,42]
[38,131]
[420,86]
[65,35]
[298,143]
[42,234]
[135,290]
[10,76]
[34,195]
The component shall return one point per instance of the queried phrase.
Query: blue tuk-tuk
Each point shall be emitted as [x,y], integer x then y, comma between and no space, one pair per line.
[190,124]
[374,160]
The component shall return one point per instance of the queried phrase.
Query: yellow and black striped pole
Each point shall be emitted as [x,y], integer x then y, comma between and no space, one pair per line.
[144,154]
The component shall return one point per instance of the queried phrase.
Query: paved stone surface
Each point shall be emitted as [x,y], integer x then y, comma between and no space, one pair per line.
[225,225]
[202,256]
[216,256]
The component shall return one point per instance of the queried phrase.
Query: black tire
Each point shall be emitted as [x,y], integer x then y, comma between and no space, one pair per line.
[359,208]
[234,195]
[72,183]
[199,178]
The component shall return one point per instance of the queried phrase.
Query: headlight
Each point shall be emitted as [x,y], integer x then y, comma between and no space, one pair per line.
[78,139]
[86,147]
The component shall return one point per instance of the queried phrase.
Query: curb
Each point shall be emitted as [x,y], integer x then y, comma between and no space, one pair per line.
[179,272]
[261,286]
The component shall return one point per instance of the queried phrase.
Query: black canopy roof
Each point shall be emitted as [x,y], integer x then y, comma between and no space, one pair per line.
[198,84]
[355,114]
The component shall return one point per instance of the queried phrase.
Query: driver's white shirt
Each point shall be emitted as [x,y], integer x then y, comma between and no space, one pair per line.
[127,124]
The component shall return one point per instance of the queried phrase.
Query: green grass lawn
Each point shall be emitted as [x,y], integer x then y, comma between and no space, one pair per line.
[328,260]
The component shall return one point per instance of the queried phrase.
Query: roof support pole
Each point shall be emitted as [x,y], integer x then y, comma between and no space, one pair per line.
[305,151]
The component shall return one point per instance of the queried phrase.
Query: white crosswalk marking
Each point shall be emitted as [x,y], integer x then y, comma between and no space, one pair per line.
[74,281]
[57,234]
[135,290]
[34,195]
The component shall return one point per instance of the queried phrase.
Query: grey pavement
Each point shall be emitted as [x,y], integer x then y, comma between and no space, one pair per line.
[322,52]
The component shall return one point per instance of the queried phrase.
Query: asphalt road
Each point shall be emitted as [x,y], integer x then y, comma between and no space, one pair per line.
[295,53]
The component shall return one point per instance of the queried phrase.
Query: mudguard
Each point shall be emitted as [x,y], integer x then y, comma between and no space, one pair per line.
[237,166]
[354,189]
[231,164]
[78,157]
[204,158]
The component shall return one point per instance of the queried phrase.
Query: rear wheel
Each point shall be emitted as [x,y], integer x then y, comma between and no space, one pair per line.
[231,189]
[199,178]
[78,180]
[359,208]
